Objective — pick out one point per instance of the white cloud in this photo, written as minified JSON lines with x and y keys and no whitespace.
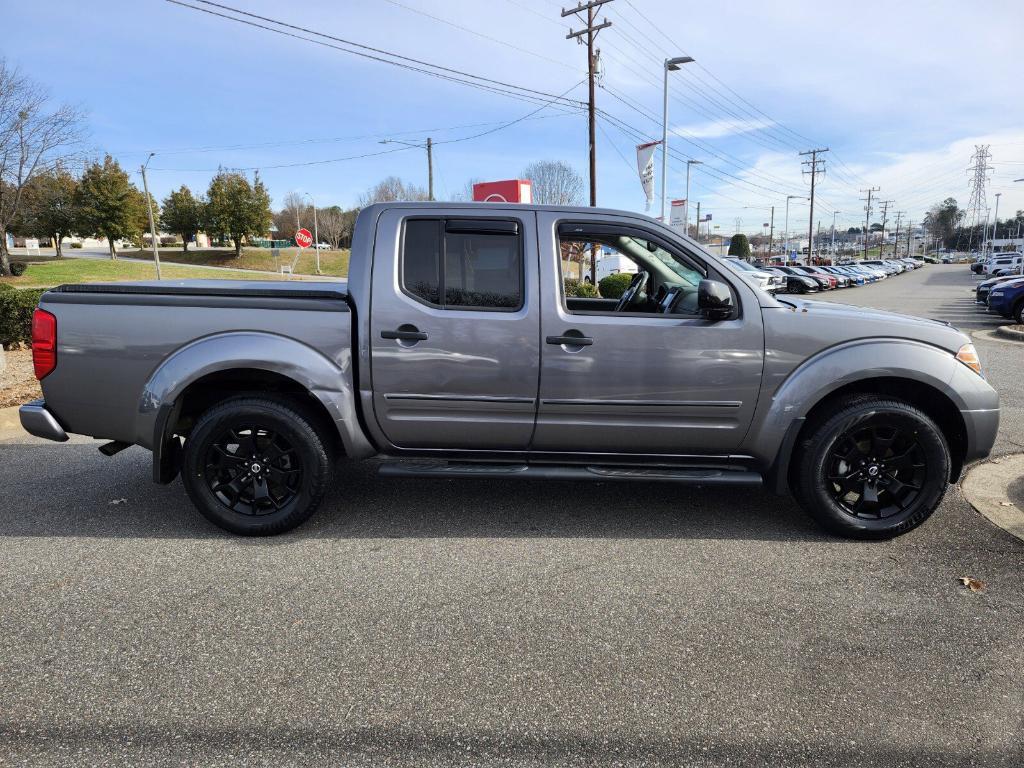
{"x":720,"y":128}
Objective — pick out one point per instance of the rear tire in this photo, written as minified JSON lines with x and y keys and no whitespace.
{"x":875,"y":469}
{"x":256,"y":466}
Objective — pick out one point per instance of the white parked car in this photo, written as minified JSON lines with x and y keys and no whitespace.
{"x":323,"y":246}
{"x":1004,"y":264}
{"x":766,"y":281}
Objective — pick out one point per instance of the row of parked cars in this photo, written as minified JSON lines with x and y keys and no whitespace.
{"x":998,"y":264}
{"x":1003,"y":295}
{"x":798,"y":278}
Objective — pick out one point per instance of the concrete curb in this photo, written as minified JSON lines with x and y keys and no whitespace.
{"x":987,"y":488}
{"x":1011,"y":332}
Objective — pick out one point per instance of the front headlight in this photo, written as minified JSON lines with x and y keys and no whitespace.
{"x":968,"y":355}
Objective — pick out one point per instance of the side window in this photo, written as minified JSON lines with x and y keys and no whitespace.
{"x":463,"y":263}
{"x":663,"y":282}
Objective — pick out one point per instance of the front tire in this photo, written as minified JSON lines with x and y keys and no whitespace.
{"x":875,"y":469}
{"x":256,"y":466}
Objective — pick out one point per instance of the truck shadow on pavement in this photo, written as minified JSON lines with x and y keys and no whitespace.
{"x":85,"y":494}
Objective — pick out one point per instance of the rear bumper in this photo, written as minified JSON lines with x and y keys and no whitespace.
{"x":38,"y":421}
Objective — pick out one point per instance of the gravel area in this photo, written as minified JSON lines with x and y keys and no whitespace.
{"x":17,"y":381}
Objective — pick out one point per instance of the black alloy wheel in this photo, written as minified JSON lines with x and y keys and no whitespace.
{"x":876,"y":469}
{"x":871,"y":467}
{"x":253,"y":470}
{"x":257,"y":466}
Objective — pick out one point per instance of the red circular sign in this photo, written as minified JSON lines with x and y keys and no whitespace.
{"x":303,"y":239}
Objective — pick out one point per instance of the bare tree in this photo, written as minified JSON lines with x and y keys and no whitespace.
{"x":295,"y":214}
{"x":466,"y":193}
{"x":554,"y":183}
{"x":391,"y":189}
{"x":334,"y":224}
{"x":33,"y":140}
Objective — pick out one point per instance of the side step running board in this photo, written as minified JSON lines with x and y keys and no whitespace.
{"x":442,"y":470}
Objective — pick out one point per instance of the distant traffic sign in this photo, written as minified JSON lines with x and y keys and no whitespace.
{"x":303,"y":238}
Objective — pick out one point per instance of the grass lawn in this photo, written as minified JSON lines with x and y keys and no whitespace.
{"x":332,"y":263}
{"x":56,"y":272}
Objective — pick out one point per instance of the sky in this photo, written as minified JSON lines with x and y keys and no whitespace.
{"x":900,"y":94}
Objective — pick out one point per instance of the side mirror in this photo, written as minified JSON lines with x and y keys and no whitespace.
{"x":714,"y":300}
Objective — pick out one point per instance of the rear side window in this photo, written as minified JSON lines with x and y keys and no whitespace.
{"x":463,"y":263}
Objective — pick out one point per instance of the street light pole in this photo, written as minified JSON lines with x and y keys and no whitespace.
{"x":834,"y":232}
{"x":316,"y":234}
{"x":149,"y":210}
{"x":686,"y":203}
{"x":671,"y":65}
{"x":786,"y":234}
{"x":995,"y":222}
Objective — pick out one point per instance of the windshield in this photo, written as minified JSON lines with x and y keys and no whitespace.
{"x":742,"y":265}
{"x":683,"y":271}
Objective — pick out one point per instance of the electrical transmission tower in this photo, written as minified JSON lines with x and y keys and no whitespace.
{"x":816,"y":167}
{"x":977,"y":208}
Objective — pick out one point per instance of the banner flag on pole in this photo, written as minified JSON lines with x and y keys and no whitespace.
{"x":645,"y":167}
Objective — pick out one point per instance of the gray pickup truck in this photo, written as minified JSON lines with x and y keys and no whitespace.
{"x":456,"y":350}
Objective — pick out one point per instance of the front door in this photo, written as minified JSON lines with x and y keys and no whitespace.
{"x":455,"y":328}
{"x":650,"y":376}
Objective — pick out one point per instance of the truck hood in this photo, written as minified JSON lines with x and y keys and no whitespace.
{"x":828,"y":323}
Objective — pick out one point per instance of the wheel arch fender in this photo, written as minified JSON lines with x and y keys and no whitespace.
{"x":329,"y":382}
{"x":850,"y":366}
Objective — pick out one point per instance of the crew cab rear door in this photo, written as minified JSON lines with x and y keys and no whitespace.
{"x":662,"y":384}
{"x":454,"y":328}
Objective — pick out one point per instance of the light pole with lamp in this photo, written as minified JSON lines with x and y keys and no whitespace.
{"x":995,"y":223}
{"x":786,"y":236}
{"x":316,"y":233}
{"x":149,"y":210}
{"x":834,"y":214}
{"x":429,"y":146}
{"x":686,"y":204}
{"x":671,"y":65}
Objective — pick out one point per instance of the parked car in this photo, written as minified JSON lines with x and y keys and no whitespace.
{"x":795,"y":283}
{"x":323,"y":246}
{"x":846,"y":279}
{"x":1007,"y":299}
{"x":453,"y":351}
{"x":889,"y":269}
{"x":834,"y":281}
{"x":1004,"y":264}
{"x":759,"y":278}
{"x":982,"y":289}
{"x":825,"y":282}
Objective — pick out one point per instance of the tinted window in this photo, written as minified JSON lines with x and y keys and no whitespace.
{"x":421,"y":259}
{"x":482,"y":270}
{"x":463,"y":269}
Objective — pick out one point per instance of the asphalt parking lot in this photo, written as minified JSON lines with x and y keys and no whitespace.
{"x":487,"y":623}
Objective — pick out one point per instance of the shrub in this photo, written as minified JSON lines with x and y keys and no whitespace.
{"x":613,"y":286}
{"x":18,"y":268}
{"x":16,"y":308}
{"x":76,"y":245}
{"x":6,"y":287}
{"x":580,"y":289}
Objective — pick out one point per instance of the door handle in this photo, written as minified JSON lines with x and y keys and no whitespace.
{"x":405,"y":333}
{"x":571,"y":340}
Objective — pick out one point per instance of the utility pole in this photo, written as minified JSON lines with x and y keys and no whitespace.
{"x":149,"y":210}
{"x":834,"y":214}
{"x":698,"y":221}
{"x":896,"y":237}
{"x":686,"y":205}
{"x":590,"y":31}
{"x":429,"y":146}
{"x":816,"y":166}
{"x":995,"y":222}
{"x":867,"y":218}
{"x":910,"y":234}
{"x":771,"y":232}
{"x":885,"y":215}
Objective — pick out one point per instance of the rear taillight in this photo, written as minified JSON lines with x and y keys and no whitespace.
{"x":44,"y":343}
